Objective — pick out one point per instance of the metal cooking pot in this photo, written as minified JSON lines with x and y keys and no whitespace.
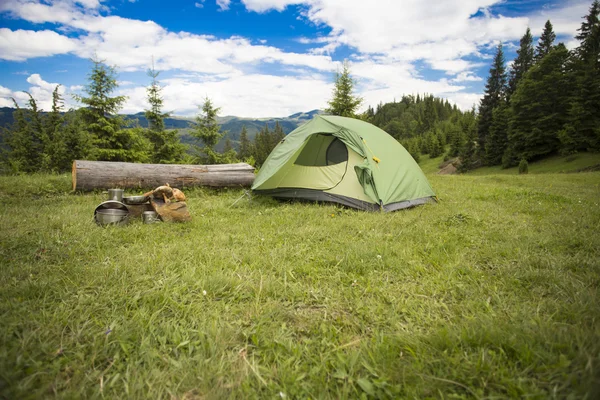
{"x":150,"y":217}
{"x":115,"y":194}
{"x":135,"y":200}
{"x":112,"y":216}
{"x":111,"y":212}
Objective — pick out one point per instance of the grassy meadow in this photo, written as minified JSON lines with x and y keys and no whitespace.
{"x":492,"y":293}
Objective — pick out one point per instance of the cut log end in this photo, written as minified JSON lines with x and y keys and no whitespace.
{"x":74,"y":174}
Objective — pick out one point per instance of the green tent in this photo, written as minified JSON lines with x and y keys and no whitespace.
{"x":346,"y":161}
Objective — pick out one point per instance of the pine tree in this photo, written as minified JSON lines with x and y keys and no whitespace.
{"x":166,"y":146}
{"x":208,"y":132}
{"x":245,"y":145}
{"x":76,"y":143}
{"x":155,"y":115}
{"x":265,"y":141}
{"x":344,"y":102}
{"x":435,"y":147}
{"x":262,"y":145}
{"x":468,"y":153}
{"x":498,"y":139}
{"x":55,"y":148}
{"x":582,"y":132}
{"x":456,"y":140}
{"x":495,"y":93}
{"x":589,"y":46}
{"x":18,"y":141}
{"x":278,"y":135}
{"x":39,"y":141}
{"x":227,"y":146}
{"x":546,"y":42}
{"x":430,"y":114}
{"x":539,"y":107}
{"x":228,"y":155}
{"x":413,"y":149}
{"x":522,"y":63}
{"x":100,"y":116}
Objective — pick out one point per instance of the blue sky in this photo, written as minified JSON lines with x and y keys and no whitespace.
{"x":258,"y":58}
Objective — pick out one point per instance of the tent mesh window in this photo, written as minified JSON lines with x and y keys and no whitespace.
{"x":322,"y":150}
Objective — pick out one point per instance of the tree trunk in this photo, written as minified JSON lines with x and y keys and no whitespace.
{"x":90,"y":175}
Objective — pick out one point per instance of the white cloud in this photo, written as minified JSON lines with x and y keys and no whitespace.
{"x":388,"y":42}
{"x":40,"y":90}
{"x":5,"y":92}
{"x":266,"y":5}
{"x":252,"y":95}
{"x":466,"y":77}
{"x":223,"y":4}
{"x":439,"y":32}
{"x":199,"y":5}
{"x":464,"y":101}
{"x":565,"y":20}
{"x":20,"y":45}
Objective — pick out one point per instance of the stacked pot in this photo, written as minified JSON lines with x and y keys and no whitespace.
{"x":114,"y":211}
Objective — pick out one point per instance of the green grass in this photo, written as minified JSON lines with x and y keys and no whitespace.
{"x":491,"y":293}
{"x":551,"y":165}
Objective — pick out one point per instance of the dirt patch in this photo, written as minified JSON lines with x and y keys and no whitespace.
{"x":448,"y":170}
{"x":449,"y":167}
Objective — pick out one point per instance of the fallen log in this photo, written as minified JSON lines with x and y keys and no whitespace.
{"x":90,"y":175}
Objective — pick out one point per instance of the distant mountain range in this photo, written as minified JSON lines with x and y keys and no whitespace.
{"x":230,"y":124}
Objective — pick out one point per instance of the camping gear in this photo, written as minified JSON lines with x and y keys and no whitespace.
{"x":135,"y":200}
{"x":111,"y":212}
{"x":115,"y":194}
{"x":91,"y":175}
{"x":171,"y":211}
{"x":110,"y":216}
{"x":150,"y":217}
{"x":345,"y":161}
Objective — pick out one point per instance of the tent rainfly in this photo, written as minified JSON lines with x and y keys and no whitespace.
{"x":345,"y":161}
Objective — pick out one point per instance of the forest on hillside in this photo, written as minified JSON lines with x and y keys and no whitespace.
{"x":547,"y":102}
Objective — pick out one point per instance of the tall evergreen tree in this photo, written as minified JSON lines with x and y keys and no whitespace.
{"x":468,"y":154}
{"x":245,"y":145}
{"x":344,"y":102}
{"x":208,"y":132}
{"x":73,"y":140}
{"x":522,"y":63}
{"x":494,"y":94}
{"x":546,"y":42}
{"x":589,"y":46}
{"x":278,"y":134}
{"x":39,"y":141}
{"x":265,"y":141}
{"x":155,"y":115}
{"x":100,"y":116}
{"x":55,"y":148}
{"x":583,"y":128}
{"x":166,"y":146}
{"x":539,"y":107}
{"x":435,"y":147}
{"x":497,"y":140}
{"x":262,"y":145}
{"x":19,"y":143}
{"x":228,"y":146}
